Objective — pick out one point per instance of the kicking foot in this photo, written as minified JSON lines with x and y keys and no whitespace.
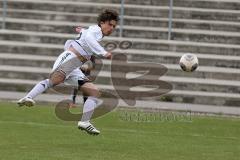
{"x":88,"y":127}
{"x":26,"y":101}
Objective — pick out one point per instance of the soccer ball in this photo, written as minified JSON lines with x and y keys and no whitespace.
{"x":189,"y":62}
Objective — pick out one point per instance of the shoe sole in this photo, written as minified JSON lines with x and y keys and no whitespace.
{"x":91,"y":133}
{"x":29,"y":104}
{"x":26,"y":103}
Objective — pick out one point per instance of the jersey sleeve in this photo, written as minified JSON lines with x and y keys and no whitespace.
{"x":93,"y":44}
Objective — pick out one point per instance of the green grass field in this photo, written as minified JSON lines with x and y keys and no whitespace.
{"x":36,"y":134}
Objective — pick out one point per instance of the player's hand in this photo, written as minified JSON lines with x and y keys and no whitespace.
{"x":108,"y":55}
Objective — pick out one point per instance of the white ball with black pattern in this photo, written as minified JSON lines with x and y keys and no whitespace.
{"x":188,"y":62}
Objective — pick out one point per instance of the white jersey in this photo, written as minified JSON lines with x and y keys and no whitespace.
{"x":88,"y":42}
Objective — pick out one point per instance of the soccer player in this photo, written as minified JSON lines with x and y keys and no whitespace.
{"x":85,"y":69}
{"x":76,"y":54}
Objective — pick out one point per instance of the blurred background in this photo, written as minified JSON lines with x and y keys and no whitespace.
{"x":33,"y":33}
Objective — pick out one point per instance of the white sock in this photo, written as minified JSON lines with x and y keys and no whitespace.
{"x":88,"y":108}
{"x":39,"y":88}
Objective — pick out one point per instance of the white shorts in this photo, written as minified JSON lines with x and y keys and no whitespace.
{"x":66,"y":63}
{"x":69,"y":64}
{"x":75,"y":76}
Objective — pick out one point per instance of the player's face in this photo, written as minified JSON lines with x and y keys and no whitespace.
{"x":108,"y":27}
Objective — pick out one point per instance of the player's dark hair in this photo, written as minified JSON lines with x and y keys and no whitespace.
{"x":108,"y":15}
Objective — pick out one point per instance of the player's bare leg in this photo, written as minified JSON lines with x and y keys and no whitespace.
{"x":57,"y":77}
{"x":89,"y":89}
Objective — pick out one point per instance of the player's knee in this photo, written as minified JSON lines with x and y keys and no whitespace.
{"x":56,"y":82}
{"x":57,"y":78}
{"x":96,"y":93}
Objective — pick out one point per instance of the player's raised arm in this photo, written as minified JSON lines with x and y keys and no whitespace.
{"x":94,"y":45}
